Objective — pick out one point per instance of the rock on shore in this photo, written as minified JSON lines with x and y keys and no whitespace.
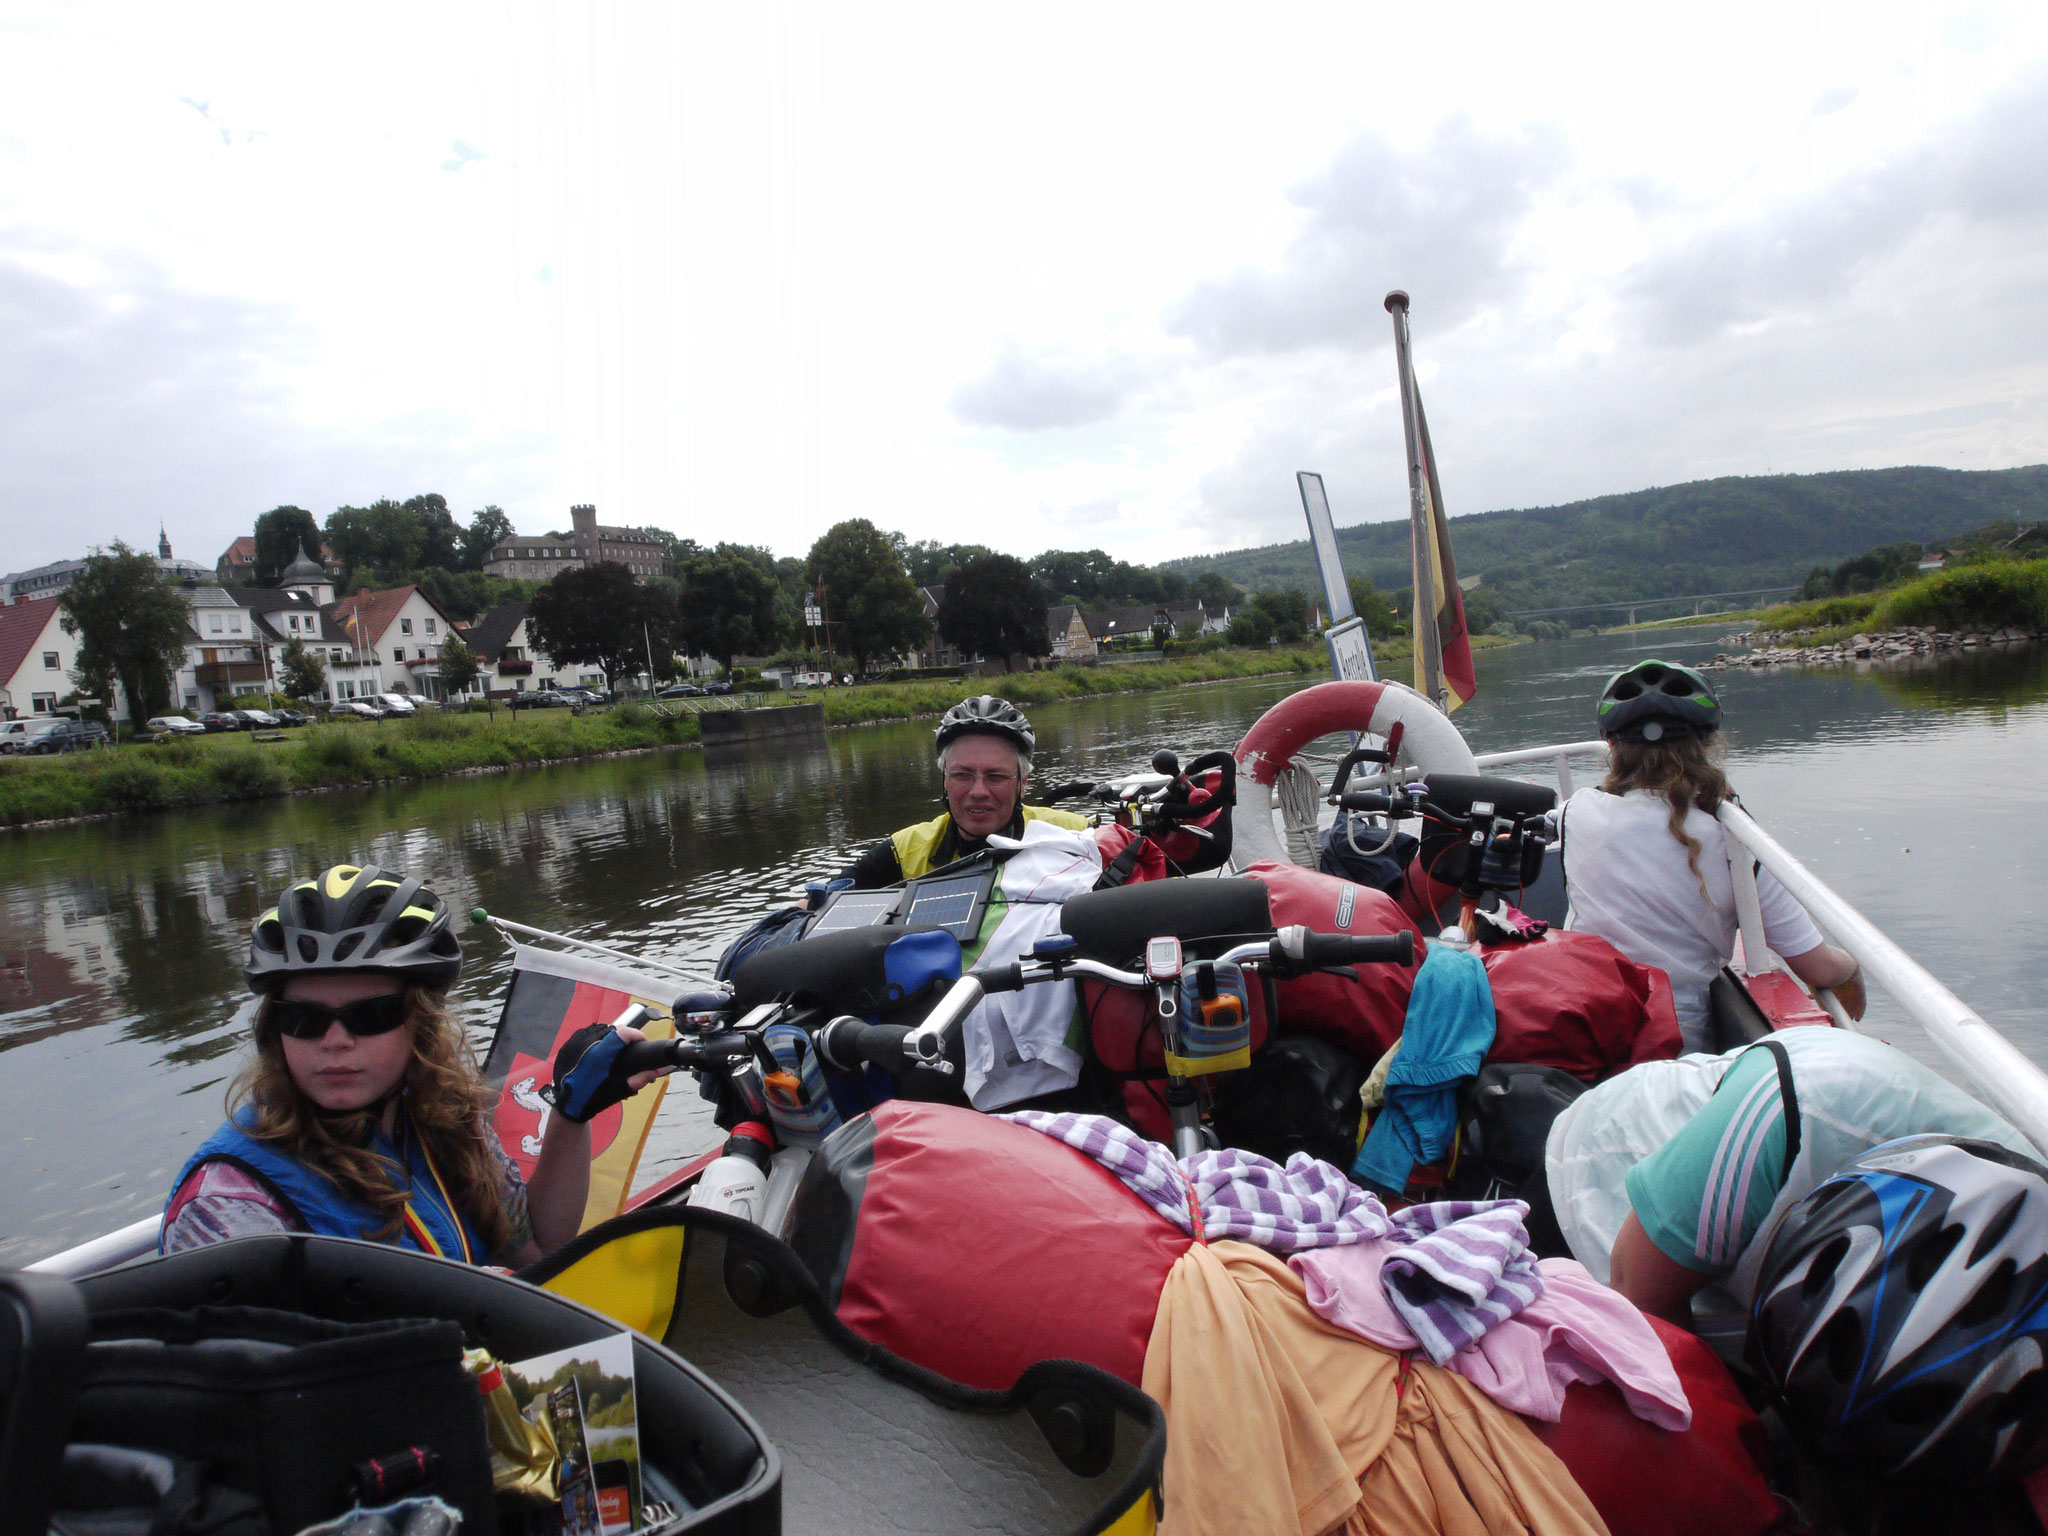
{"x":1890,"y":645}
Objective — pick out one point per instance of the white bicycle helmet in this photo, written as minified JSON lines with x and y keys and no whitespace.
{"x":987,"y":715}
{"x":1901,"y":1313}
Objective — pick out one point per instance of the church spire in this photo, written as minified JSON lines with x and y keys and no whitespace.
{"x":163,"y":543}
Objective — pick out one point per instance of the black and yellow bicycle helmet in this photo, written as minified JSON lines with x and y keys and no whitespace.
{"x":355,"y":918}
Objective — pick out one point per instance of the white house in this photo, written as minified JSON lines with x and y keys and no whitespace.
{"x":36,"y":658}
{"x":397,"y":635}
{"x":511,"y":661}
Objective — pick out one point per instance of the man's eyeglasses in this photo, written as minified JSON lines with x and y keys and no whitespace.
{"x":366,"y":1016}
{"x":963,"y":778}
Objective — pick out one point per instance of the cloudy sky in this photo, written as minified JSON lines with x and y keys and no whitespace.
{"x":1032,"y":276}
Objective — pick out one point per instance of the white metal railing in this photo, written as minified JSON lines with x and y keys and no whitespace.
{"x":2004,"y":1078}
{"x":1558,"y":756}
{"x":134,"y":1241}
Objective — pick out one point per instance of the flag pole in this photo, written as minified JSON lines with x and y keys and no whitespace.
{"x":1422,"y":594}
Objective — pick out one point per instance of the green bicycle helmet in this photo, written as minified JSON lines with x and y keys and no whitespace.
{"x":987,"y":715}
{"x":355,"y":918}
{"x":1657,"y":701}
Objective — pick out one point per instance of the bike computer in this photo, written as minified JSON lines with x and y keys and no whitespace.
{"x":1162,"y":959}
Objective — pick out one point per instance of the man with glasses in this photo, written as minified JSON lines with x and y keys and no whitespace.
{"x":984,"y":746}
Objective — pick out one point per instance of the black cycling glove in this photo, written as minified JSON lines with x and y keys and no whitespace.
{"x":587,"y":1076}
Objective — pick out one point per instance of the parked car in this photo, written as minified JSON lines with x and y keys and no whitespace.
{"x":40,"y":736}
{"x":353,"y":709}
{"x":221,"y":720}
{"x":546,"y":698}
{"x":291,"y":717}
{"x":395,"y":703}
{"x":173,"y":725}
{"x":29,"y":735}
{"x":682,"y":691}
{"x":88,"y":734}
{"x":718,"y":687}
{"x":255,"y":719}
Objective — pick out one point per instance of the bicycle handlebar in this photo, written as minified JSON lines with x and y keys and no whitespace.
{"x":683,"y":1051}
{"x":847,"y":1042}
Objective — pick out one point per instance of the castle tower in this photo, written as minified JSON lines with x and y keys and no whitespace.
{"x":583,"y":520}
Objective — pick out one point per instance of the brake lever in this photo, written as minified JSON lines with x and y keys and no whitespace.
{"x":1345,"y":971}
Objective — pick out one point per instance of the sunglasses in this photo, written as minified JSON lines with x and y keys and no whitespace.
{"x":366,"y":1016}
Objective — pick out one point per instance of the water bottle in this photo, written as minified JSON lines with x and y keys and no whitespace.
{"x":737,"y":1181}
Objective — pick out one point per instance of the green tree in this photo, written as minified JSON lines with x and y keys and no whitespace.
{"x":993,"y":608}
{"x":1214,"y":590}
{"x":1282,"y":616}
{"x":460,"y":667}
{"x":598,"y":616}
{"x":280,"y":534}
{"x":131,"y":626}
{"x":1371,"y":605}
{"x":930,"y":563}
{"x":387,"y":540}
{"x":303,"y":672}
{"x":1081,"y":576}
{"x":728,"y":604}
{"x":486,"y":527}
{"x":873,"y":608}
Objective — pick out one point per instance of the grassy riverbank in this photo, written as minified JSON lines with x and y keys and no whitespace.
{"x":1991,"y":594}
{"x":205,"y":770}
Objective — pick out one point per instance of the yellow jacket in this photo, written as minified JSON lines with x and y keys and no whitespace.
{"x":916,"y":846}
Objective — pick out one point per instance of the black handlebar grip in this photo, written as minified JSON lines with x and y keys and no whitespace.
{"x":1366,"y":800}
{"x":649,"y":1055}
{"x":1366,"y":949}
{"x":1001,"y":978}
{"x":848,"y":1040}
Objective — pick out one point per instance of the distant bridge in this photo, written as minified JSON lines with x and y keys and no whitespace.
{"x":1631,"y":604}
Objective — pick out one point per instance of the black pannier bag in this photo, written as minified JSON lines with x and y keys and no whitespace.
{"x":1504,"y":1121}
{"x":286,"y":1407}
{"x":1300,"y":1094}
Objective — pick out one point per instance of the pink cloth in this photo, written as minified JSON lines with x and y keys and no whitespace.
{"x":1577,"y":1330}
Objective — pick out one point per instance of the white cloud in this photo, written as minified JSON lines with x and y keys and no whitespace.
{"x":952,"y":271}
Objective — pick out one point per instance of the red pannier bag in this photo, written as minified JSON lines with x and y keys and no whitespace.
{"x":1645,"y":1481}
{"x":1575,"y":1002}
{"x":974,"y":1247}
{"x":1364,"y":1016}
{"x":1123,"y":1034}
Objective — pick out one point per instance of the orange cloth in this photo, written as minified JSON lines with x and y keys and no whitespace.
{"x":1279,"y":1424}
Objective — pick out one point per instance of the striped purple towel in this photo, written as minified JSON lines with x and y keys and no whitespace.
{"x":1307,"y":1204}
{"x":1462,"y":1267}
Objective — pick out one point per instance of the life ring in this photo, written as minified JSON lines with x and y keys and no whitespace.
{"x":1429,"y":743}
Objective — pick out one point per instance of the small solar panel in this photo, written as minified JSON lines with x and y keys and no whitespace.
{"x":951,"y":902}
{"x":853,"y":909}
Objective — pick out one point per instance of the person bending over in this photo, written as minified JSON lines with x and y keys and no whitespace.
{"x":1644,"y":860}
{"x":984,"y":746}
{"x":362,"y":1113}
{"x":1670,"y":1176}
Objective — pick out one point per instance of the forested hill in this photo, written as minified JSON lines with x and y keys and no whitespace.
{"x":1704,"y":536}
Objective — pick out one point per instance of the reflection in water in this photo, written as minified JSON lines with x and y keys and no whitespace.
{"x":121,"y":1004}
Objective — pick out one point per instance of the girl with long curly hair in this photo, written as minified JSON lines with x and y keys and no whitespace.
{"x":1645,"y":864}
{"x":361,"y":1113}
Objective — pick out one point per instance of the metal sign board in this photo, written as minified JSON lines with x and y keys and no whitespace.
{"x":1351,"y":653}
{"x":1322,"y":538}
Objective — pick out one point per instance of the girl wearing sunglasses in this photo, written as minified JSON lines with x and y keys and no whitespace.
{"x":362,"y":1113}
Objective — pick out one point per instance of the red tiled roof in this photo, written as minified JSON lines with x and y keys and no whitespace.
{"x":21,"y":626}
{"x":378,"y":610}
{"x":242,"y":551}
{"x":368,"y":614}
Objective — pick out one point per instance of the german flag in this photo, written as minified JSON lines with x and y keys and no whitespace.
{"x":552,"y":996}
{"x":1443,"y":650}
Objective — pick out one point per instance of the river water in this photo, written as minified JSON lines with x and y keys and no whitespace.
{"x":1918,"y":794}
